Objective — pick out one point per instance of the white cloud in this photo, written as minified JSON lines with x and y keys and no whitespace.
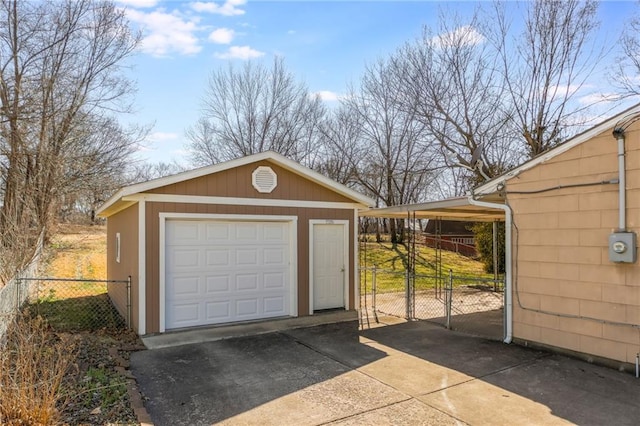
{"x":240,"y":52}
{"x":327,"y":95}
{"x":139,"y":3}
{"x":466,"y":35}
{"x":161,"y":136}
{"x":291,"y":32}
{"x":222,"y":36}
{"x":596,"y":98}
{"x":562,"y":91}
{"x":228,"y":8}
{"x":166,"y":33}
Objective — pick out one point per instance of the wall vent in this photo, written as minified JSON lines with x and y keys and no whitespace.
{"x":264,"y":179}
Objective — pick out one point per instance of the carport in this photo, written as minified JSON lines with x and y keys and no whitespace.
{"x":442,"y":300}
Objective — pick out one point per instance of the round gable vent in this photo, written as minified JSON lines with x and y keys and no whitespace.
{"x":264,"y":179}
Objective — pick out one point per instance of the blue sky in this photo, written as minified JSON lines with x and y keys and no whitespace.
{"x":326,"y":44}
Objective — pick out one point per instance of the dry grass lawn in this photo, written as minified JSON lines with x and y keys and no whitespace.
{"x":78,"y":251}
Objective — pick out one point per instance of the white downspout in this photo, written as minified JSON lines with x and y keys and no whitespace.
{"x":508,"y":281}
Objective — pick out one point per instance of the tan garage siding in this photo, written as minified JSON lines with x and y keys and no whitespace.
{"x":562,"y":264}
{"x":154,"y":209}
{"x":125,"y":223}
{"x":236,"y":183}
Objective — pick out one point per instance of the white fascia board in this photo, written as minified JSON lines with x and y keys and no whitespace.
{"x":492,"y":186}
{"x":262,"y":202}
{"x":406,"y":208}
{"x":321,"y":179}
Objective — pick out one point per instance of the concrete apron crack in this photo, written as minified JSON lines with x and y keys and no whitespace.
{"x":492,"y":373}
{"x":407,"y":396}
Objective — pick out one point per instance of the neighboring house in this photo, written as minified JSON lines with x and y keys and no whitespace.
{"x":454,"y":236}
{"x":253,"y":238}
{"x":570,"y":289}
{"x":572,"y":280}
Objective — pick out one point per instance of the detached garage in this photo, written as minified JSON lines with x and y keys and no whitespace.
{"x":254,"y":238}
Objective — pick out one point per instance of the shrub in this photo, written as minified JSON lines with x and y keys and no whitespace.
{"x":33,"y":362}
{"x":484,"y":244}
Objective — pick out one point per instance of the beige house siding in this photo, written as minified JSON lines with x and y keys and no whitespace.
{"x":125,"y":223}
{"x":567,"y":293}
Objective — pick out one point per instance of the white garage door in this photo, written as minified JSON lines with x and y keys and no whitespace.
{"x":225,"y":271}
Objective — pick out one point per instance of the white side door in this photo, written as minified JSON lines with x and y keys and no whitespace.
{"x":329,"y":265}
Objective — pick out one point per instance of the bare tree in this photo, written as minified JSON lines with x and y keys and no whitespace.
{"x":383,"y":145}
{"x":627,"y":68}
{"x":61,"y":68}
{"x":97,"y":164}
{"x":339,"y":151}
{"x":452,"y":83}
{"x":552,"y":59}
{"x":255,"y":109}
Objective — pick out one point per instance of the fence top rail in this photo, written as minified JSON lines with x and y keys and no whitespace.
{"x":82,"y":280}
{"x":455,"y":277}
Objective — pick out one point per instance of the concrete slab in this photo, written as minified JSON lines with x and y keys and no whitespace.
{"x":213,"y":381}
{"x":213,"y":333}
{"x":410,"y":413}
{"x":407,"y":373}
{"x":343,"y":396}
{"x":480,"y":403}
{"x":550,"y":389}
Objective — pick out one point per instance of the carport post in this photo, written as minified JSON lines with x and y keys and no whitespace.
{"x":407,"y":294}
{"x":448,"y":297}
{"x":495,"y":256}
{"x":373,"y":287}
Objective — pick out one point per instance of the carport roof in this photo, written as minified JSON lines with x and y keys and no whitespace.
{"x":458,"y":208}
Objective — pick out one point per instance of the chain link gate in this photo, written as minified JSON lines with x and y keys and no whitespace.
{"x":469,"y":304}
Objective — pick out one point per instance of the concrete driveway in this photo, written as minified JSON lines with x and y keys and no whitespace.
{"x":405,"y":374}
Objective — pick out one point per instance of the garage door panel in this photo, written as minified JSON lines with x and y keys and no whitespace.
{"x":184,"y":232}
{"x":217,"y":232}
{"x":273,"y":256}
{"x":219,"y":311}
{"x":274,"y":281}
{"x":247,"y":231}
{"x":247,"y":308}
{"x":218,"y":257}
{"x":247,"y":282}
{"x":234,"y":271}
{"x":274,"y":305}
{"x":217,"y":284}
{"x":247,"y":256}
{"x":276,"y":232}
{"x":185,"y":287}
{"x":184,"y":313}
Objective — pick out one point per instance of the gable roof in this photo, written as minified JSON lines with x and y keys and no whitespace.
{"x":109,"y":207}
{"x":491,"y":186}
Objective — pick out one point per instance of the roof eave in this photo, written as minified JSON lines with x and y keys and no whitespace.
{"x":107,"y":209}
{"x":491,"y":186}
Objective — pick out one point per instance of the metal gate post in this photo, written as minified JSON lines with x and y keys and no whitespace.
{"x":407,"y":295}
{"x":373,"y":288}
{"x":129,"y":302}
{"x":448,"y":297}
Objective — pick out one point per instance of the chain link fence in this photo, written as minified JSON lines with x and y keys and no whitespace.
{"x":469,"y":304}
{"x":14,"y":294}
{"x":77,"y":304}
{"x":68,"y":305}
